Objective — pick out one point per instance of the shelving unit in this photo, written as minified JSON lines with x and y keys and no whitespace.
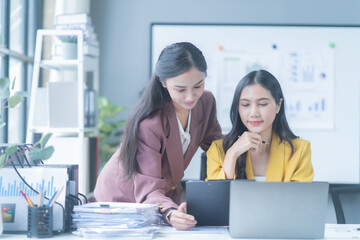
{"x":44,"y":108}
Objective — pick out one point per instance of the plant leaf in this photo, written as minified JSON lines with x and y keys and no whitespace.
{"x":15,"y":100}
{"x":108,"y":109}
{"x":46,"y":152}
{"x":4,"y":88}
{"x":3,"y":158}
{"x":102,"y":102}
{"x":4,"y":82}
{"x":106,"y":127}
{"x":34,"y":154}
{"x":111,"y":110}
{"x":120,"y":123}
{"x":13,"y":84}
{"x":44,"y":140}
{"x":11,"y":149}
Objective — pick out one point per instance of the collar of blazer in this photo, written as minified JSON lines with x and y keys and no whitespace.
{"x":177,"y":161}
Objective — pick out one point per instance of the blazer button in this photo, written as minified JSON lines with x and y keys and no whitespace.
{"x":173,"y":188}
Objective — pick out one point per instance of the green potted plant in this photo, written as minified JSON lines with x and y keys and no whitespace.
{"x":110,"y":130}
{"x":38,"y":150}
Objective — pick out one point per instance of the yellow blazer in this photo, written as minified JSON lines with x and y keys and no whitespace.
{"x":280,"y":167}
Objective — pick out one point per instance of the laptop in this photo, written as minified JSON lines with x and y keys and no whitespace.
{"x":208,"y":202}
{"x":278,"y":209}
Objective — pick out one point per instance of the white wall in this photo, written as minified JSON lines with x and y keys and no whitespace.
{"x":123,"y":28}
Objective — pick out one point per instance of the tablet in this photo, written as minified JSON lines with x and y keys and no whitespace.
{"x":208,"y":202}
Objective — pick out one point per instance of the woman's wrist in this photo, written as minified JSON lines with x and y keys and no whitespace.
{"x":167,"y":214}
{"x":233,"y":154}
{"x":229,"y":164}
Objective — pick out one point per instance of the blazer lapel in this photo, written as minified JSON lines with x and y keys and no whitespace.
{"x":173,"y":146}
{"x":277,"y":157}
{"x":248,"y":166}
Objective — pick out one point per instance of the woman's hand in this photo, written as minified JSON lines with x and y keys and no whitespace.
{"x":180,"y":220}
{"x":248,"y":140}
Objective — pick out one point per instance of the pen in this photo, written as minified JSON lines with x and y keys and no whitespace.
{"x":56,"y":196}
{"x":48,"y":204}
{"x":264,"y":142}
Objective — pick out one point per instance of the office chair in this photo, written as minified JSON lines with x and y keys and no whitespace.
{"x":346,"y":199}
{"x":203,"y":167}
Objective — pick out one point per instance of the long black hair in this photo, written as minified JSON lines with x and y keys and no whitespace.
{"x":280,"y":125}
{"x":174,"y":60}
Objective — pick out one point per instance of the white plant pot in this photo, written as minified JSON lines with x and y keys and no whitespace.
{"x":69,"y":50}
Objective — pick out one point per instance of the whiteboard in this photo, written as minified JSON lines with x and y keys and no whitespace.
{"x":317,"y":67}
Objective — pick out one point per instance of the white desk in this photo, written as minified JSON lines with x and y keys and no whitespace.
{"x":332,"y":231}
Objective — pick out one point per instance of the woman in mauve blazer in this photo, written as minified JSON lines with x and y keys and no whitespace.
{"x":174,"y":116}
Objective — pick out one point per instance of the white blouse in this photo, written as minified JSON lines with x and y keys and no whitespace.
{"x":259,"y":178}
{"x":185,"y":135}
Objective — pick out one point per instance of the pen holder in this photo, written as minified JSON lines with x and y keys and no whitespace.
{"x":40,"y":222}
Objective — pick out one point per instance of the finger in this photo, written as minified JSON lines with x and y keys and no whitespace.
{"x":182,"y":223}
{"x":182,"y":207}
{"x":256,"y":141}
{"x":182,"y":215}
{"x":250,"y":136}
{"x":256,"y":136}
{"x":255,"y":146}
{"x":183,"y":227}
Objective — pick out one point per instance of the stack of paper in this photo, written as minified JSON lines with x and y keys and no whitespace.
{"x":105,"y":219}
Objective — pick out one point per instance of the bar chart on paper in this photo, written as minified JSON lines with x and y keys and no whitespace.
{"x":49,"y":179}
{"x":11,"y":189}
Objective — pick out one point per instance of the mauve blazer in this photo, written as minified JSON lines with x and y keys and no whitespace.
{"x":161,"y":163}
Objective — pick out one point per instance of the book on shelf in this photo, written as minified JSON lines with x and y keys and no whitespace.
{"x":73,"y":18}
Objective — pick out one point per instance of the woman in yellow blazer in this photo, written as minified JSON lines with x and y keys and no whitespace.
{"x":260,"y":144}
